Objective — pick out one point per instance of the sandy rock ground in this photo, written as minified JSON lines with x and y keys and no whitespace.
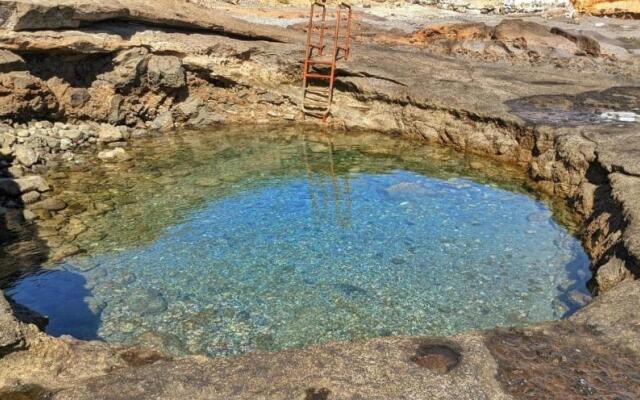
{"x":557,"y":95}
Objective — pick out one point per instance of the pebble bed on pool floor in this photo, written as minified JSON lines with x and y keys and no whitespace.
{"x":332,"y":244}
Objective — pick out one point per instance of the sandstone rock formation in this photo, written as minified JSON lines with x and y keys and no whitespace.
{"x":608,"y":7}
{"x":29,"y":15}
{"x":23,"y":96}
{"x":517,"y":41}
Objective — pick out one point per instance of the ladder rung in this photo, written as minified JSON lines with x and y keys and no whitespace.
{"x":317,"y":103}
{"x":317,"y":114}
{"x":316,"y":110}
{"x":317,"y":91}
{"x":316,"y":97}
{"x":320,"y":62}
{"x":318,"y":76}
{"x":311,"y":107}
{"x":322,"y":100}
{"x":325,"y":111}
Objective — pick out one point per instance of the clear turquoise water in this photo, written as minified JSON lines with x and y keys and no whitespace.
{"x":305,"y":257}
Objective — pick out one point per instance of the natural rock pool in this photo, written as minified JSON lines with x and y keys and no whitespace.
{"x":228,"y":242}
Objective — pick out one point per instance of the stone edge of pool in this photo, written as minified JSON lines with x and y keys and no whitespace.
{"x":595,"y":168}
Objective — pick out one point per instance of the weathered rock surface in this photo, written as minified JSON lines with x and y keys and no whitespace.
{"x":517,"y":40}
{"x":23,"y":96}
{"x":165,"y":72}
{"x":117,"y":154}
{"x":11,"y":62}
{"x":608,"y":7}
{"x":163,"y":122}
{"x":11,"y":332}
{"x":42,"y":15}
{"x":616,"y":315}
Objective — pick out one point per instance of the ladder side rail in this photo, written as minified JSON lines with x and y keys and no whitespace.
{"x":333,"y":64}
{"x":348,"y":36}
{"x":310,"y":46}
{"x":323,"y":27}
{"x":307,"y":50}
{"x":346,"y":44}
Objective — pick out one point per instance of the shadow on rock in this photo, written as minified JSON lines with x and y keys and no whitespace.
{"x":26,"y":392}
{"x":51,"y":299}
{"x":21,"y":248}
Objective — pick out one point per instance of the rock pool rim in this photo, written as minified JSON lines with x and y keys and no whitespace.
{"x":364,"y":153}
{"x":326,"y":135}
{"x":148,"y":358}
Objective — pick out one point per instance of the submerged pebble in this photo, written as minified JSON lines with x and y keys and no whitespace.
{"x":146,"y":301}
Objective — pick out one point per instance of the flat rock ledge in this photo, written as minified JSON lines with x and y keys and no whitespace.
{"x":78,"y":77}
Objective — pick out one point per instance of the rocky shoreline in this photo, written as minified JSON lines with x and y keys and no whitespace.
{"x":88,"y":81}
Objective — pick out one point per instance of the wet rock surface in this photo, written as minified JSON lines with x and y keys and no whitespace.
{"x":612,"y":106}
{"x":563,"y":361}
{"x":440,"y":358}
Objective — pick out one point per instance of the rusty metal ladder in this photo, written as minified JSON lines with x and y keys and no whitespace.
{"x":319,"y":70}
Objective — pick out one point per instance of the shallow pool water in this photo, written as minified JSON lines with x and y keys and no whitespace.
{"x":233,"y":244}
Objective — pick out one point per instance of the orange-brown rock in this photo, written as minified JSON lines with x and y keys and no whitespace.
{"x":23,"y":96}
{"x":608,"y":7}
{"x":463,"y":31}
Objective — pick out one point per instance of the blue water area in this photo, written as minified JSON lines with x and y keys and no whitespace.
{"x":60,"y":294}
{"x":303,"y":259}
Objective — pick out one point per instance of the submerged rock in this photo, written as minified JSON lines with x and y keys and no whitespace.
{"x":109,"y":134}
{"x":64,"y":251}
{"x":403,"y":189}
{"x":146,"y":302}
{"x":163,"y":122}
{"x":50,"y":204}
{"x":26,"y":156}
{"x":95,"y":305}
{"x":166,"y":342}
{"x":117,"y":154}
